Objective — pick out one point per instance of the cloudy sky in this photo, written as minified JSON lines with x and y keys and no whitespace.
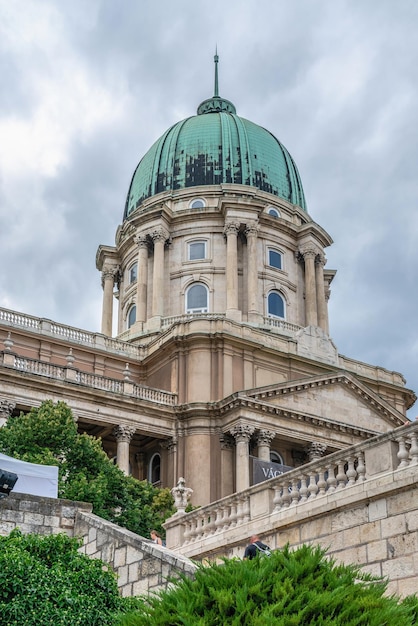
{"x":88,"y":86}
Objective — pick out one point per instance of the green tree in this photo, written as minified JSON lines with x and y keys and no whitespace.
{"x":289,"y":588}
{"x":44,"y":581}
{"x":48,"y":435}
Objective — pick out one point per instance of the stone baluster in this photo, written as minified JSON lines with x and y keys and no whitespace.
{"x":361,"y":467}
{"x":351,"y":472}
{"x":341,"y":477}
{"x":294,"y":493}
{"x":303,"y":490}
{"x":277,"y":500}
{"x":312,"y":487}
{"x":403,"y":455}
{"x":413,"y":450}
{"x":331,"y":480}
{"x":246,"y":510}
{"x":286,"y":497}
{"x":234,"y":515}
{"x":322,"y":483}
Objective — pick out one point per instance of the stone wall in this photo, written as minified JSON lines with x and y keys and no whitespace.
{"x":140,"y":565}
{"x":360,"y":504}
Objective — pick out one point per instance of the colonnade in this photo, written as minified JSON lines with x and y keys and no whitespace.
{"x":316,"y":310}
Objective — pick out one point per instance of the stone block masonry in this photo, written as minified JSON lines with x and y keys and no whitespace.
{"x":140,"y":565}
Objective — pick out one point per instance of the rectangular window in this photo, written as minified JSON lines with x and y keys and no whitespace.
{"x":275,"y":259}
{"x":197,"y":250}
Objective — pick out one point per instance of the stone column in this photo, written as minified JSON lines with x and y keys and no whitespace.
{"x":108,"y":281}
{"x":316,"y":450}
{"x":309,"y":255}
{"x":321,"y":301}
{"x":123,"y":434}
{"x":264,"y":439}
{"x":140,"y":464}
{"x":142,"y":278}
{"x":226,"y":474}
{"x":242,"y":435}
{"x":252,"y":272}
{"x":6,"y":409}
{"x":231,"y":233}
{"x":159,"y":237}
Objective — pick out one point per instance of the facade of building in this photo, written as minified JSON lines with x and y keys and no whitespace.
{"x":222,"y":353}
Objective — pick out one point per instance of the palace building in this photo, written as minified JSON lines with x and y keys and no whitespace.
{"x":222,"y":359}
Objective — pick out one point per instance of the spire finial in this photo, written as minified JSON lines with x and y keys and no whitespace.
{"x":216,"y":59}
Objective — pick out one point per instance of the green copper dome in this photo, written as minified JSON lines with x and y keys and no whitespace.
{"x":216,"y":146}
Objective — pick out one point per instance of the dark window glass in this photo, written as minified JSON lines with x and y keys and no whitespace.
{"x":275,"y":304}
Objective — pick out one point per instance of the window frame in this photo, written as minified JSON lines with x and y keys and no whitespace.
{"x":280,"y":295}
{"x":205,"y":249}
{"x":271,"y":250}
{"x":197,"y":200}
{"x":273,"y":212}
{"x":129,"y":322}
{"x":192,"y":310}
{"x":133,"y":269}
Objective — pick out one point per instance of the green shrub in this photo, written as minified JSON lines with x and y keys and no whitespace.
{"x":48,"y":435}
{"x":290,"y":588}
{"x":45,"y":581}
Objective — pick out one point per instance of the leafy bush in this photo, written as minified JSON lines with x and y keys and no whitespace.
{"x":45,"y":581}
{"x":290,"y":588}
{"x":48,"y":435}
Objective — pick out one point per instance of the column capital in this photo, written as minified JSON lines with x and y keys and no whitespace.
{"x":124,"y":432}
{"x":159,"y":234}
{"x":242,"y":432}
{"x":231,"y":228}
{"x":109,"y":273}
{"x":316,"y":450}
{"x":321,"y":259}
{"x":6,"y":408}
{"x":265,"y":437}
{"x":227,"y":441}
{"x":141,"y":240}
{"x":252,"y":229}
{"x":308,"y":251}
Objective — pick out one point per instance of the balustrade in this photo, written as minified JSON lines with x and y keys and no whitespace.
{"x":329,"y":475}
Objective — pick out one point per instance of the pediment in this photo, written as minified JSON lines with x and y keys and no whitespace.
{"x":339,"y":398}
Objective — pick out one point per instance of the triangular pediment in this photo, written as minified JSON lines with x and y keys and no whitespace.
{"x":339,"y":397}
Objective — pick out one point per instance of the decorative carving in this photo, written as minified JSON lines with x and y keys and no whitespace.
{"x":231,"y":228}
{"x":227,"y":442}
{"x":251,"y":229}
{"x":242,"y":433}
{"x":109,"y":273}
{"x":127,"y":373}
{"x":181,"y":495}
{"x":124,"y":432}
{"x":141,"y":240}
{"x":316,"y":450}
{"x":6,"y":408}
{"x":159,"y":234}
{"x":265,"y":437}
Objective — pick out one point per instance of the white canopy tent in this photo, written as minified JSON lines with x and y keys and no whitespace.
{"x":37,"y":480}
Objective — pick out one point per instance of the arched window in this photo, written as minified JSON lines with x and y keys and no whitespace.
{"x":197,"y":250}
{"x":154,"y":469}
{"x":275,"y":305}
{"x":133,"y":273}
{"x":197,"y":299}
{"x":275,"y":259}
{"x":275,"y":457}
{"x":132,"y":316}
{"x":273,"y":212}
{"x":197,"y":203}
